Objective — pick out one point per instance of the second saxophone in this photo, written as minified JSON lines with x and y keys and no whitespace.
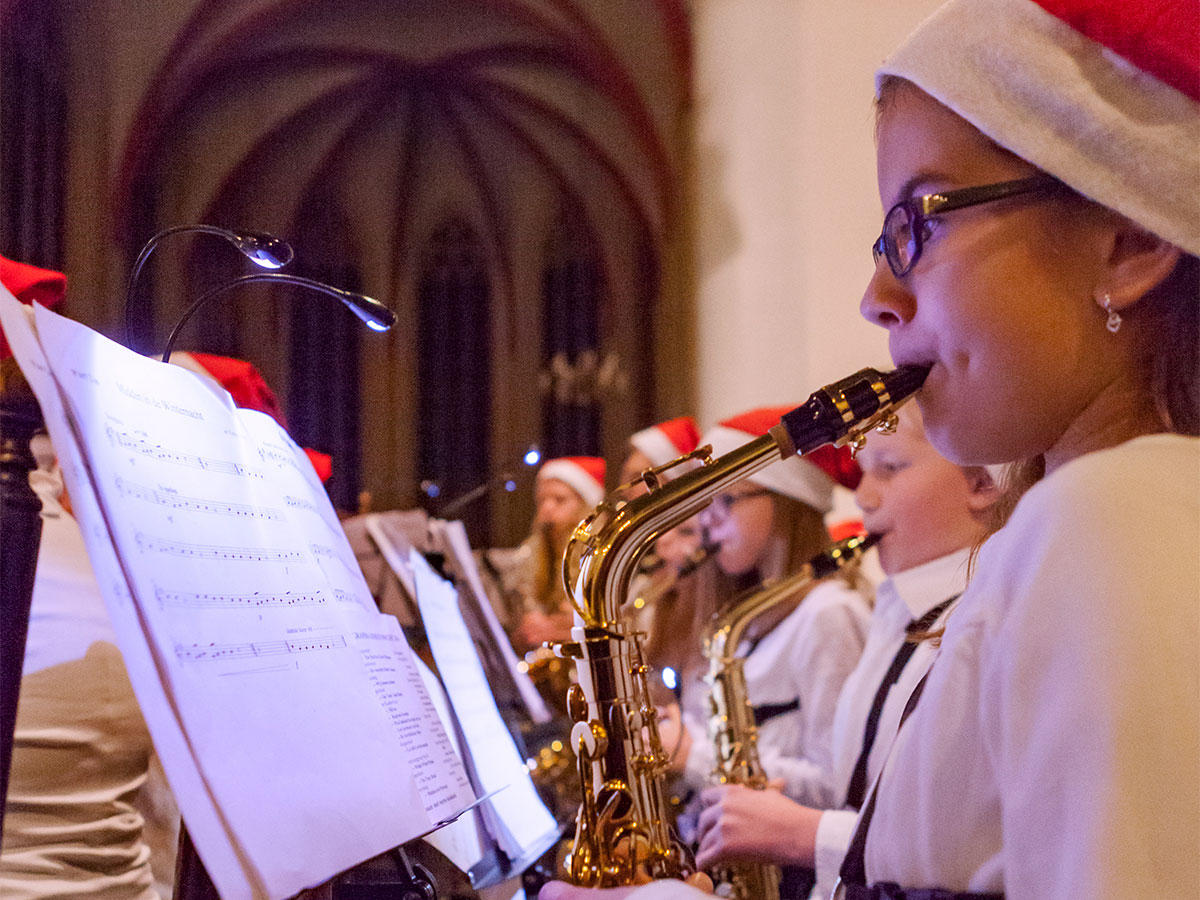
{"x":731,"y":725}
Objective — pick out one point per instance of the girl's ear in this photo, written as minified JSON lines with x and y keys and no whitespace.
{"x":983,"y":490}
{"x":1137,"y":262}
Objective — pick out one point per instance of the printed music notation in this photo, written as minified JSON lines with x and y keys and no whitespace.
{"x":203,"y":551}
{"x":237,"y":601}
{"x":143,"y":447}
{"x":173,"y":500}
{"x":300,"y":503}
{"x":209,"y":652}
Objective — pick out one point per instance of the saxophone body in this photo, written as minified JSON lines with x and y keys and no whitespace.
{"x":623,"y":833}
{"x":731,"y":725}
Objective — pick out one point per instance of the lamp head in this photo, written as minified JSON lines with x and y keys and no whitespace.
{"x":374,"y":314}
{"x":263,"y":249}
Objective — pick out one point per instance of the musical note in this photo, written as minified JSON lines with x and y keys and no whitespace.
{"x":237,"y":601}
{"x":143,"y":447}
{"x":202,"y":551}
{"x":215,"y":652}
{"x":173,"y":500}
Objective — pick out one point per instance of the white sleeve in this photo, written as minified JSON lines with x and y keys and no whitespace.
{"x":1089,"y":686}
{"x":702,"y":758}
{"x":821,"y":660}
{"x":669,"y":890}
{"x":834,"y":833}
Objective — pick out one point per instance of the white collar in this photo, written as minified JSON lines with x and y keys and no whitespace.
{"x":925,"y":586}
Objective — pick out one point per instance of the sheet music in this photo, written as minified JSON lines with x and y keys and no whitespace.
{"x":430,"y":755}
{"x":458,"y":546}
{"x":231,"y":874}
{"x":516,"y":815}
{"x":460,"y":841}
{"x":250,"y":614}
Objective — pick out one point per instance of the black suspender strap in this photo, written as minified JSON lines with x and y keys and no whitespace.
{"x":765,"y":712}
{"x":852,"y":878}
{"x":858,"y":780}
{"x":854,"y":866}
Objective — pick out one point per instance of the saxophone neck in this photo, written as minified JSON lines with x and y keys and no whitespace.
{"x":604,"y":549}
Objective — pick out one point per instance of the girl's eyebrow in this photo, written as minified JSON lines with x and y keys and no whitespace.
{"x":908,"y":190}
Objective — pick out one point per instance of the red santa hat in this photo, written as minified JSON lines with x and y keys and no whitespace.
{"x":1102,"y":94}
{"x":583,"y":474}
{"x":29,"y":284}
{"x":249,"y":390}
{"x":809,"y":478}
{"x":668,"y":440}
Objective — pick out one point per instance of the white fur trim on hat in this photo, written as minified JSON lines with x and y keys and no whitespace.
{"x":794,"y":477}
{"x":657,"y":447}
{"x":1066,"y":104}
{"x":575,"y":477}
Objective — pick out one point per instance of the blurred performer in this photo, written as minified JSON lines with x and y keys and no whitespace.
{"x":81,"y":750}
{"x":566,"y":490}
{"x":657,"y":446}
{"x":798,"y":653}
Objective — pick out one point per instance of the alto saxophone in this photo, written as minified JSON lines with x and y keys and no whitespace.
{"x":731,"y":726}
{"x":622,"y":831}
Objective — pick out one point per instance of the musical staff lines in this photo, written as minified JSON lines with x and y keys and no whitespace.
{"x":216,"y":652}
{"x":256,"y":600}
{"x":143,"y":447}
{"x":208,"y":551}
{"x":173,"y":500}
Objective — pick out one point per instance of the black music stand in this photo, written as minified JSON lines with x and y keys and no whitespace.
{"x":20,"y":533}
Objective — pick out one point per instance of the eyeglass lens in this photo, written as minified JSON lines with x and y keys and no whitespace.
{"x":900,"y":239}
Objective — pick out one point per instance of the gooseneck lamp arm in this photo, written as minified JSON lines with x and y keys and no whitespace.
{"x":374,"y":314}
{"x":260,"y":248}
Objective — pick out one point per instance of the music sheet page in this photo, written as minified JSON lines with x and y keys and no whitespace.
{"x":304,"y":716}
{"x":516,"y":815}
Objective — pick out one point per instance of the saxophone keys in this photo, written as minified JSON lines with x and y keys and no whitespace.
{"x":889,"y":424}
{"x":577,"y":705}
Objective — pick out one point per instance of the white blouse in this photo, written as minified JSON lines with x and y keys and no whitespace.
{"x":899,"y":600}
{"x":806,"y":657}
{"x":1055,"y":753}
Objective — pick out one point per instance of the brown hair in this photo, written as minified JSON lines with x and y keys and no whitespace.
{"x":680,"y":621}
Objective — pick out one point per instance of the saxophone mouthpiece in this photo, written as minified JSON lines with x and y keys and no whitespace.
{"x":843,"y":412}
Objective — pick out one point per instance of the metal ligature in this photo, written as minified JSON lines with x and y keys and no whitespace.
{"x":622,"y":834}
{"x":731,"y":727}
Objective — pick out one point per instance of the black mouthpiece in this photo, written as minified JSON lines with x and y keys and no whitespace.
{"x":905,"y":380}
{"x":840,"y":553}
{"x":834,"y":411}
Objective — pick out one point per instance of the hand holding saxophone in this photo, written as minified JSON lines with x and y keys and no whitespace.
{"x":740,"y":824}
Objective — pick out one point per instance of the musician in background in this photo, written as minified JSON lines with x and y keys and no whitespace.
{"x":81,"y":751}
{"x":928,"y":513}
{"x":798,"y":653}
{"x":565,"y":491}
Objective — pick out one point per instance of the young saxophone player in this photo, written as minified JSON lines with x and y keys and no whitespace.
{"x":928,"y":513}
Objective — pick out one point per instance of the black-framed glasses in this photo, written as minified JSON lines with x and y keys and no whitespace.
{"x":722,"y":504}
{"x":905,"y":227}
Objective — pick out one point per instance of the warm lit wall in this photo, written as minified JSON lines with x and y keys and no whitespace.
{"x":786,"y":206}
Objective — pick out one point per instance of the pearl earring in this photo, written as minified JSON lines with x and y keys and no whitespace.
{"x":1113,"y":323}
